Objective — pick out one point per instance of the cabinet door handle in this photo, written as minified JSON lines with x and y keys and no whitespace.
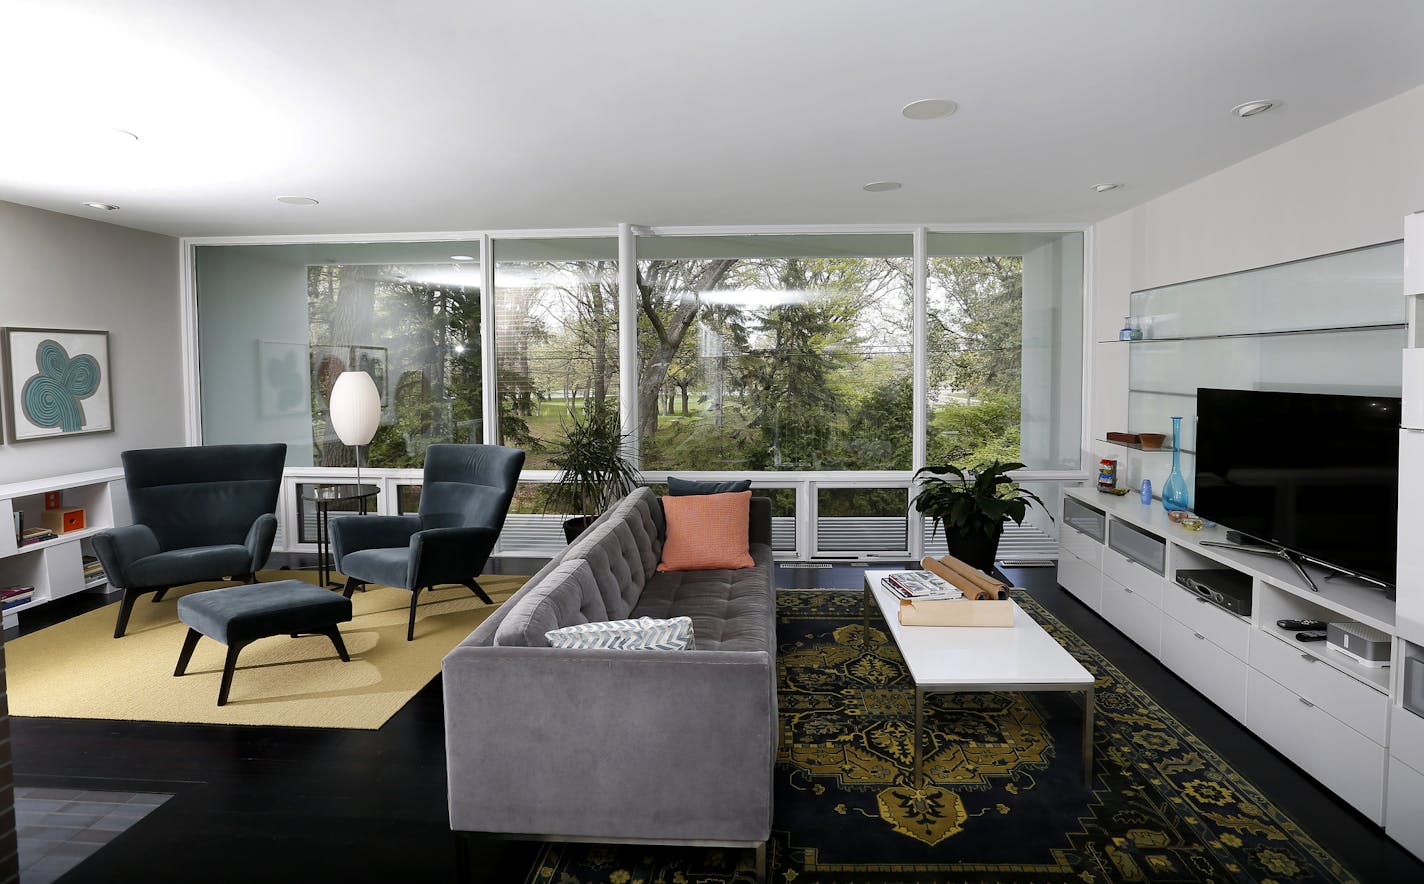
{"x":1199,"y":635}
{"x":1306,"y":702}
{"x":1309,"y":659}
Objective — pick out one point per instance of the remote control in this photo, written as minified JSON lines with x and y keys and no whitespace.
{"x":1314,"y":635}
{"x":1312,"y":625}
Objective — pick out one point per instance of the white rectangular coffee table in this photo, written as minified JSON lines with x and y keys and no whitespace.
{"x":949,"y":659}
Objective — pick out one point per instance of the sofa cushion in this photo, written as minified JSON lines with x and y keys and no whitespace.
{"x":687,"y":487}
{"x":614,"y":551}
{"x":731,"y":610}
{"x":568,"y":596}
{"x":643,"y":634}
{"x":190,"y":565}
{"x":706,"y":531}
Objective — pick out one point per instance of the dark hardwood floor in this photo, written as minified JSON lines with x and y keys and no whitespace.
{"x":285,"y":804}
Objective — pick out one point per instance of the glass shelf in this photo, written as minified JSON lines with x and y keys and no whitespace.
{"x":1383,"y":326}
{"x":1137,"y":446}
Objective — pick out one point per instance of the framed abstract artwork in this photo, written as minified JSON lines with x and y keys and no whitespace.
{"x":57,"y":383}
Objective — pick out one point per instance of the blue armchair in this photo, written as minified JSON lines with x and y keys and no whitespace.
{"x":463,"y":503}
{"x":200,"y":513}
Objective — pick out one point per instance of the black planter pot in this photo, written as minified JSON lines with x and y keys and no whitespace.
{"x":575,"y":526}
{"x":976,"y":548}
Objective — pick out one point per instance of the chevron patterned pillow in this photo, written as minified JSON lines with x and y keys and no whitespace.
{"x":643,"y":634}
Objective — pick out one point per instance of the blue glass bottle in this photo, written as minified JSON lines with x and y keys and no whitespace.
{"x":1174,"y":491}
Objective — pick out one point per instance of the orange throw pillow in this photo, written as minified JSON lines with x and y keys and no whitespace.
{"x":706,"y":531}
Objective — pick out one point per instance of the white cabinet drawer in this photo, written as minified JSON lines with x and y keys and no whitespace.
{"x":1080,"y":578}
{"x":1349,"y":764}
{"x":1137,"y":617}
{"x":1352,"y":702}
{"x":1220,"y":626}
{"x":1081,"y":545}
{"x":1406,"y":737}
{"x":1404,"y":814}
{"x":1132,"y":575}
{"x":1205,"y":666}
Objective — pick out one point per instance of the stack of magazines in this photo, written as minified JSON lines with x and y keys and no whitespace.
{"x":916,"y":585}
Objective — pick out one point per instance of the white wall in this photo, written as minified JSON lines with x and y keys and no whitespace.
{"x":66,"y":272}
{"x":1342,"y":186}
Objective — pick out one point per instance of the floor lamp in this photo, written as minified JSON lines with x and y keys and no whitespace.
{"x":355,"y":411}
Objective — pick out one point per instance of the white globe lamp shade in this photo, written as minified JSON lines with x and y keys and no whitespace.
{"x":355,"y":408}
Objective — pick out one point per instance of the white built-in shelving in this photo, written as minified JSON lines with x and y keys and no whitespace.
{"x":55,"y":568}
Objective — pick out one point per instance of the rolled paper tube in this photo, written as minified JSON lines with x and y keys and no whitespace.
{"x":973,"y":575}
{"x":952,"y":577}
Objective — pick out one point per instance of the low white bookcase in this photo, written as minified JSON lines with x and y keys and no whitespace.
{"x":55,"y":568}
{"x":1327,"y":713}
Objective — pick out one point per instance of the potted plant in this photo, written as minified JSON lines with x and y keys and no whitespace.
{"x":593,"y":472}
{"x":972,"y":505}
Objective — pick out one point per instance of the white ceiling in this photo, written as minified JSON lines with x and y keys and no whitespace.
{"x":463,"y":114}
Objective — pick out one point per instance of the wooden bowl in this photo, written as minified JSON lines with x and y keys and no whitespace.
{"x":1152,"y":440}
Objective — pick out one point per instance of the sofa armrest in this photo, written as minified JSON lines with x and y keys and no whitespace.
{"x":660,"y":745}
{"x":117,"y":548}
{"x":449,"y":555}
{"x":351,"y":533}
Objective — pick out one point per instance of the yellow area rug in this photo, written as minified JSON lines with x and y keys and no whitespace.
{"x":77,"y":669}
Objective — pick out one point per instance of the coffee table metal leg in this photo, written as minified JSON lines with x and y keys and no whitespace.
{"x":865,"y":627}
{"x":919,"y":736}
{"x":1088,"y":737}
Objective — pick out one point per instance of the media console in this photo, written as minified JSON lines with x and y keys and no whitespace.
{"x":1329,"y":714}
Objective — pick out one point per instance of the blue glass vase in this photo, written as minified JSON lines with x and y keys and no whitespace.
{"x":1174,"y":491}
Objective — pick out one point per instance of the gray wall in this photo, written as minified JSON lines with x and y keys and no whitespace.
{"x":66,"y":272}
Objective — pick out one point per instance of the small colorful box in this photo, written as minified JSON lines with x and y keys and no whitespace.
{"x":63,"y":520}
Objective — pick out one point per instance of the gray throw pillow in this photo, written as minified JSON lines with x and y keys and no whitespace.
{"x":686,"y":487}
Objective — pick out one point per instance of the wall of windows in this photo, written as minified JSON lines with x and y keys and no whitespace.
{"x":769,"y":355}
{"x":775,"y":352}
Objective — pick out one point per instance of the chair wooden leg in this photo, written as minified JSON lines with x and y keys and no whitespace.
{"x":462,"y":856}
{"x":158,"y":596}
{"x":352,"y":584}
{"x":410,"y":630}
{"x":479,"y":591}
{"x":190,"y":641}
{"x":228,"y":666}
{"x":334,"y":634}
{"x":126,"y":605}
{"x":761,"y":868}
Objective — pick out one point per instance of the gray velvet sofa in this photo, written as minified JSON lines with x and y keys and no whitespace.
{"x":658,"y":747}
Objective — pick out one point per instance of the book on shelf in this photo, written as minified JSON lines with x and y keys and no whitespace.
{"x":36,"y":535}
{"x":915,"y":585}
{"x":12,"y":596}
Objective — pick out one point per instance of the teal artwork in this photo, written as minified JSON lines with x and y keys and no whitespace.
{"x":52,"y":398}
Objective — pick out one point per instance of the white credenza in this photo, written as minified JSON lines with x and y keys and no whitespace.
{"x":1327,"y":713}
{"x":55,"y":568}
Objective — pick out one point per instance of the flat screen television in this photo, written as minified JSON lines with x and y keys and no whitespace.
{"x":1316,"y":474}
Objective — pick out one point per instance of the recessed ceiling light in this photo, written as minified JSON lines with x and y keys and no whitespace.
{"x":929,"y":109}
{"x":881,"y":186}
{"x":462,"y":257}
{"x":297,"y":200}
{"x":1251,"y":108}
{"x":107,"y":207}
{"x":1104,"y":188}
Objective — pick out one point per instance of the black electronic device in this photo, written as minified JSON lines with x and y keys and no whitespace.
{"x":1312,"y":635}
{"x":1222,"y":586}
{"x":1314,"y":475}
{"x":1296,"y":625}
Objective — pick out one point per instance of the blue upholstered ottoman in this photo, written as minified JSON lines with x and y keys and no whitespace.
{"x":239,"y":615}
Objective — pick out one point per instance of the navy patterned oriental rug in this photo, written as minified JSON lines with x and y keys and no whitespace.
{"x":1003,"y":798}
